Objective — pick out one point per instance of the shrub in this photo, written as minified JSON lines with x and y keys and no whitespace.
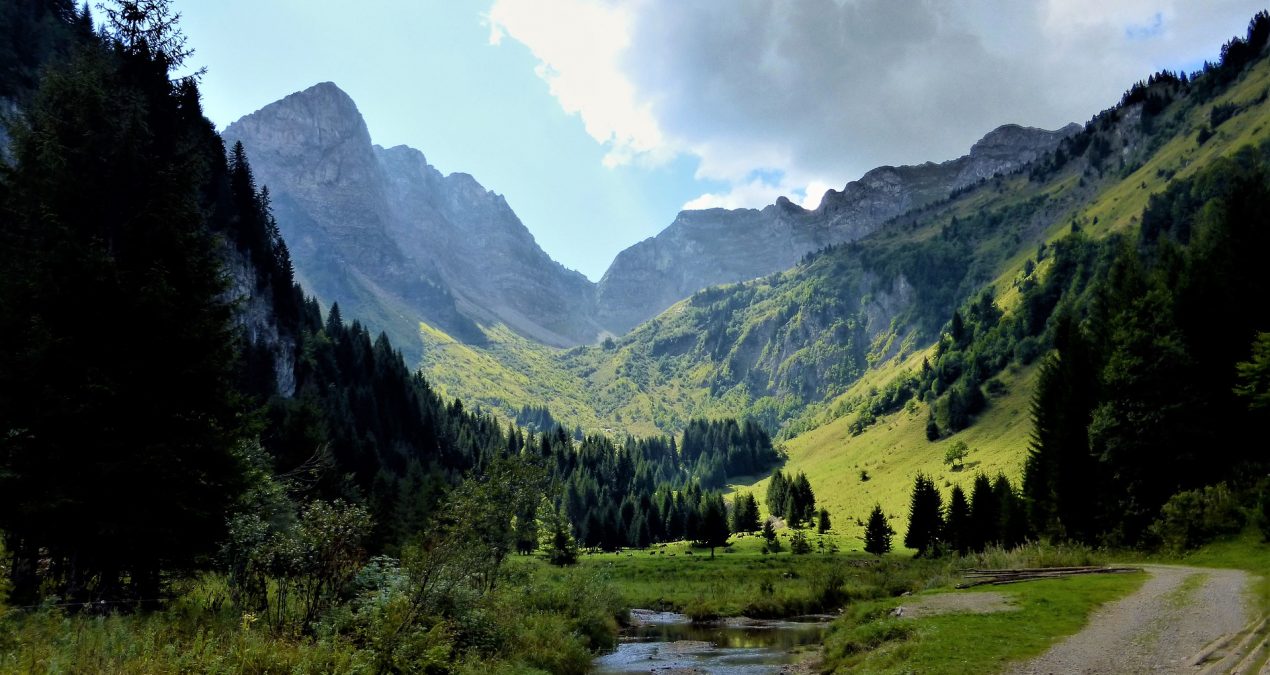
{"x":1194,"y":517}
{"x":546,"y":642}
{"x":700,"y":610}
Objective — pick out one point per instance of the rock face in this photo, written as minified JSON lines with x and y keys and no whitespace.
{"x":489,"y":260}
{"x":393,"y":241}
{"x":716,"y":246}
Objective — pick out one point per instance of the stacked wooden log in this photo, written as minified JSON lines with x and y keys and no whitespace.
{"x":978,"y":577}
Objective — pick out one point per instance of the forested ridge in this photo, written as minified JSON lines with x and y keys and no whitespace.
{"x":148,"y":405}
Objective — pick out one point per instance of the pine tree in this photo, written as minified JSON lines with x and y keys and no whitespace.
{"x":877,"y":533}
{"x":985,"y":515}
{"x":925,"y":521}
{"x":557,"y":533}
{"x":744,"y":513}
{"x":777,"y":494}
{"x":769,"y":536}
{"x":1013,"y":517}
{"x":823,"y":525}
{"x":798,"y":544}
{"x":713,"y":531}
{"x":957,"y":530}
{"x":128,"y":456}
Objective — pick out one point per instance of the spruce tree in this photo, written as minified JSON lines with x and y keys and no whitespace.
{"x":877,"y":532}
{"x":777,"y":494}
{"x":122,"y":454}
{"x":985,"y":514}
{"x":769,"y":536}
{"x":926,"y":520}
{"x":957,"y":529}
{"x":713,"y":530}
{"x":1013,"y":517}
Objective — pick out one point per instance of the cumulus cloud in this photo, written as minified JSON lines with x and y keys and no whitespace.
{"x":578,"y":44}
{"x":788,"y":98}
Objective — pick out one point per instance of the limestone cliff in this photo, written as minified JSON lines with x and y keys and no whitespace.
{"x":715,"y":246}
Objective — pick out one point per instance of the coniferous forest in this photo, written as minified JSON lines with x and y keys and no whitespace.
{"x":203,"y":468}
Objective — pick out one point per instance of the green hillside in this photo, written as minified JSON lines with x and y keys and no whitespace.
{"x":811,"y":352}
{"x":896,"y":448}
{"x":785,"y":348}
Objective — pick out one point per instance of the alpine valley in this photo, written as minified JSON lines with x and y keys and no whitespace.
{"x":277,"y":399}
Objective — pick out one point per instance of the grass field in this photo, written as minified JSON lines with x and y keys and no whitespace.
{"x":870,"y":640}
{"x":741,"y":580}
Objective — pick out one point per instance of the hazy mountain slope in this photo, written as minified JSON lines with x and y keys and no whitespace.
{"x":396,"y":243}
{"x":387,"y":236}
{"x":716,"y":246}
{"x":313,"y":151}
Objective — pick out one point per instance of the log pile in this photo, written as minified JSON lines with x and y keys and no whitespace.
{"x":978,"y":577}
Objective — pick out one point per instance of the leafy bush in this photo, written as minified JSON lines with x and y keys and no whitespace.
{"x":1195,"y":517}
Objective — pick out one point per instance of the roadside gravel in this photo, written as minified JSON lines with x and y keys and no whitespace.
{"x":1159,"y":629}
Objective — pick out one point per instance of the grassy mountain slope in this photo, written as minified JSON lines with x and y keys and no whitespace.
{"x":806,"y":351}
{"x":895,"y":448}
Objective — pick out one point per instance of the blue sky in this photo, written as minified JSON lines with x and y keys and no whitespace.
{"x":600,"y":120}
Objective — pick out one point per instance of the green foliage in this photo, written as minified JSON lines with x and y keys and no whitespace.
{"x":119,"y":461}
{"x":798,"y":544}
{"x":769,"y":537}
{"x":713,"y":530}
{"x":956,"y":454}
{"x":1254,"y":374}
{"x":294,"y":574}
{"x":557,"y":532}
{"x":717,"y":449}
{"x":1195,"y":517}
{"x":1120,"y":426}
{"x":791,"y":498}
{"x":33,"y":34}
{"x":745,"y":515}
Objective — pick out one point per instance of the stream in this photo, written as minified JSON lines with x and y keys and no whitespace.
{"x":664,"y":641}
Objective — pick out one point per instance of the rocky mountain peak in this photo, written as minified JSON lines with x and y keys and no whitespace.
{"x":716,"y":246}
{"x":319,"y":118}
{"x":394,"y":241}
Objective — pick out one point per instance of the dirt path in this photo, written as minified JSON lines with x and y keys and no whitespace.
{"x":1179,"y":614}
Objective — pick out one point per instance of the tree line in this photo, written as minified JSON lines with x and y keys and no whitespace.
{"x":164,"y":377}
{"x":1141,"y":398}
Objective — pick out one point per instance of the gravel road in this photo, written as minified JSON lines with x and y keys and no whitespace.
{"x":1159,"y":629}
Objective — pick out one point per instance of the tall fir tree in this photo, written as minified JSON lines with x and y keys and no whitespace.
{"x":925,"y":518}
{"x":877,"y":532}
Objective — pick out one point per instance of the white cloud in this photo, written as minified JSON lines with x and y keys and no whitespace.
{"x":814,"y":192}
{"x":757,"y":192}
{"x":579,"y":45}
{"x":817,"y":92}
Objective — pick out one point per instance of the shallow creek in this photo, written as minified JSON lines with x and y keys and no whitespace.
{"x":661,"y":641}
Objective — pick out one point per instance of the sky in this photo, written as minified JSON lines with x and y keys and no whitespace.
{"x":600,"y":120}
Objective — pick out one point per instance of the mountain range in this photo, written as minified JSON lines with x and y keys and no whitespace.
{"x":396,"y":243}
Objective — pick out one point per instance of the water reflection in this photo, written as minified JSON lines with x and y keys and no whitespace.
{"x":756,"y":647}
